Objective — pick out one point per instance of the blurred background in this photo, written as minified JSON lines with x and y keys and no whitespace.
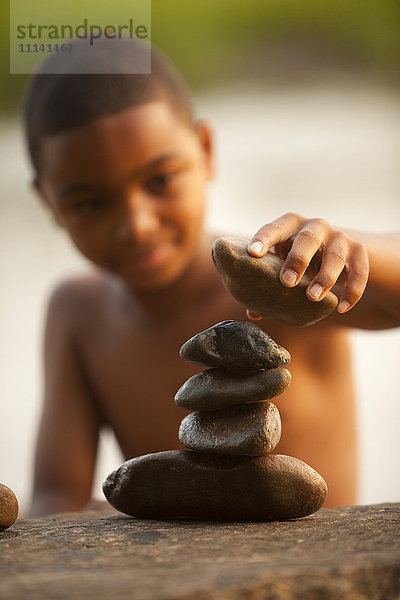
{"x":304,"y":101}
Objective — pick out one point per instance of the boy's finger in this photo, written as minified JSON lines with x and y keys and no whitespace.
{"x":273,"y":233}
{"x":357,"y":279}
{"x":306,"y":243}
{"x":333,"y":263}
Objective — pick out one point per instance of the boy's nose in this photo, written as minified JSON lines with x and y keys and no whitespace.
{"x":139,"y":220}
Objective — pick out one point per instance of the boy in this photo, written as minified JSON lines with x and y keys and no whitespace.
{"x":123,"y":166}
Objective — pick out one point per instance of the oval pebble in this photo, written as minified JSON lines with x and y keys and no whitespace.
{"x":251,"y":429}
{"x":255,"y":283}
{"x":235,"y":346}
{"x":180,"y":483}
{"x":8,"y":507}
{"x":216,"y":388}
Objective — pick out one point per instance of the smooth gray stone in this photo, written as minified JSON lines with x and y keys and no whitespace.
{"x":255,"y":283}
{"x":251,"y":429}
{"x":216,"y":388}
{"x":235,"y":346}
{"x":180,"y":483}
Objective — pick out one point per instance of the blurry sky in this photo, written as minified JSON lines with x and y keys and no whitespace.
{"x":217,"y":42}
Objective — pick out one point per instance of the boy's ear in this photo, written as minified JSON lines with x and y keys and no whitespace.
{"x":37,"y":188}
{"x":204,"y":134}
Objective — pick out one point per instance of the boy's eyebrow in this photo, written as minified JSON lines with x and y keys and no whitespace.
{"x":79,"y":188}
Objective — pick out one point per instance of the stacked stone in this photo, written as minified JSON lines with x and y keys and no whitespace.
{"x":230,"y":398}
{"x":228,"y":472}
{"x":255,"y":283}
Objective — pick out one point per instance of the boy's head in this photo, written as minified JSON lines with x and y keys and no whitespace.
{"x":121,"y":163}
{"x":60,"y":102}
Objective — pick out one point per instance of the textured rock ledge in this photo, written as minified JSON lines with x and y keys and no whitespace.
{"x":341,"y":554}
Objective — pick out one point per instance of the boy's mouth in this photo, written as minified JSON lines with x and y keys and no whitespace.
{"x":149,"y":257}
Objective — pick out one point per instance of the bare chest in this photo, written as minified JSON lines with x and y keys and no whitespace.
{"x":135,"y":373}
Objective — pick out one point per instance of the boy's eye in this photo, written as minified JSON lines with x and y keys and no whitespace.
{"x":89,"y":206}
{"x":159,"y":183}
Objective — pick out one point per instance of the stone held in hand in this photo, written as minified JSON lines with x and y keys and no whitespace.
{"x":251,"y":429}
{"x":216,"y":388}
{"x":235,"y":346}
{"x":181,"y":483}
{"x":254,"y":282}
{"x":8,"y":507}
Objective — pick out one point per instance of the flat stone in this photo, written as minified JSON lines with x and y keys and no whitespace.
{"x":251,"y":429}
{"x":216,"y":388}
{"x":8,"y":507}
{"x":255,"y":283}
{"x":181,"y":483}
{"x":235,"y":346}
{"x":346,"y":553}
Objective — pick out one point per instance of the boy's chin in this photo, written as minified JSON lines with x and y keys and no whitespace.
{"x":151,"y":282}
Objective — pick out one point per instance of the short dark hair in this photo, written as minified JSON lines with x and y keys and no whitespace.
{"x":62,"y":101}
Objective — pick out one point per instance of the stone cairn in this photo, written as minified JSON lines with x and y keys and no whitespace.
{"x":228,"y":472}
{"x":244,"y":369}
{"x":8,"y":507}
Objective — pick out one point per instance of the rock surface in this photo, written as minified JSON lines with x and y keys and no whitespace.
{"x":8,"y":507}
{"x":235,"y":346}
{"x":251,"y":429}
{"x":180,"y":483}
{"x":255,"y":283}
{"x":215,"y":388}
{"x":347,"y":553}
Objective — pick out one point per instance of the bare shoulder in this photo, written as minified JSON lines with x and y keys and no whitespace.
{"x":78,"y":299}
{"x":88,"y":283}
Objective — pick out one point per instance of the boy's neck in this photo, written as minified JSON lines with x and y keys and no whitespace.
{"x":195,"y":284}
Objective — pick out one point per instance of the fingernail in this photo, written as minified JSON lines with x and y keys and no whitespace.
{"x":256,"y":247}
{"x":316,"y":291}
{"x":343,"y":306}
{"x":289,"y":277}
{"x":253,"y":316}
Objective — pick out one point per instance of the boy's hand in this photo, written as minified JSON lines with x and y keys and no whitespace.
{"x":302,"y":242}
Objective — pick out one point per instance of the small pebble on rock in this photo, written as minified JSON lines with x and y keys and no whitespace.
{"x":8,"y":507}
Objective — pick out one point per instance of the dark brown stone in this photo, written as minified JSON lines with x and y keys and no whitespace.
{"x":251,"y":429}
{"x":346,"y":553}
{"x":216,"y":388}
{"x":235,"y":346}
{"x":255,"y":283}
{"x":8,"y":507}
{"x":180,"y":483}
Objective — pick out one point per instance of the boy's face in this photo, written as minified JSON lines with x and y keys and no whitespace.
{"x":129,"y":188}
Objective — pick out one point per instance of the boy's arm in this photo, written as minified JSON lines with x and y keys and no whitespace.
{"x":68,"y":435}
{"x":362,"y":269}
